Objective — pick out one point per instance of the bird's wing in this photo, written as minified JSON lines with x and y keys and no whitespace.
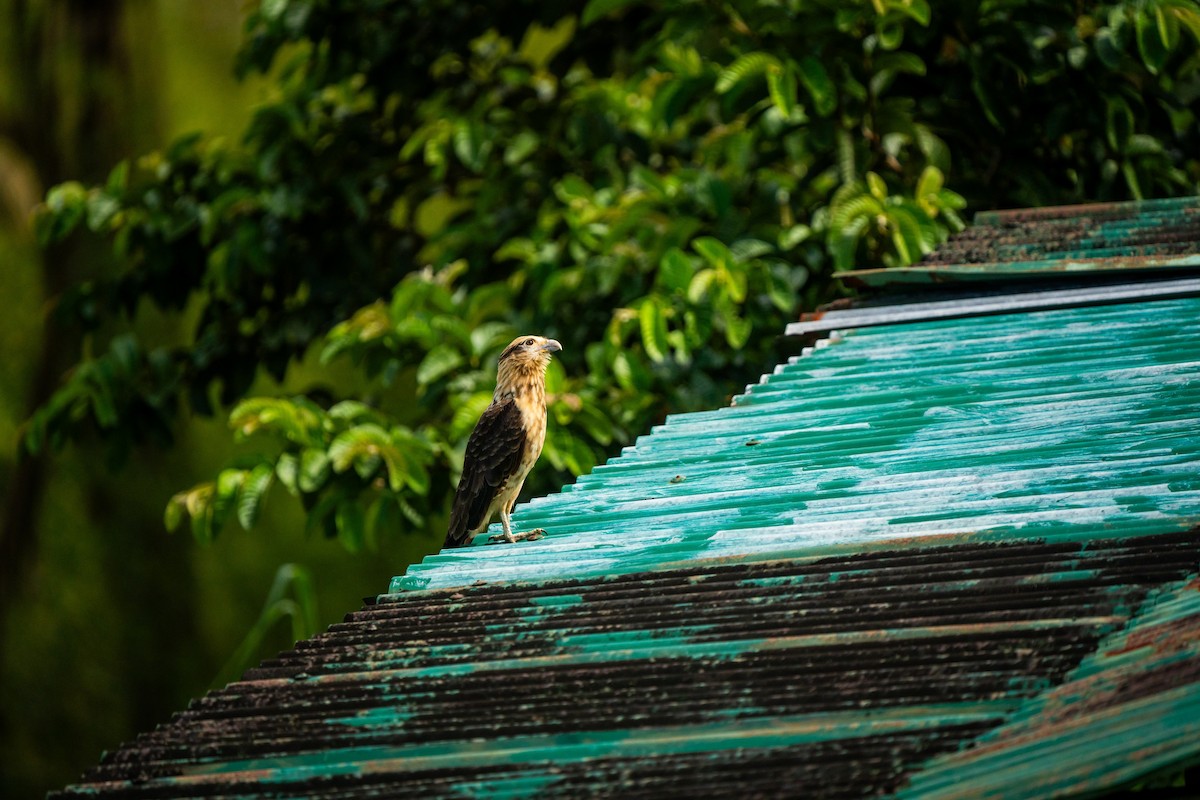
{"x":493,"y":455}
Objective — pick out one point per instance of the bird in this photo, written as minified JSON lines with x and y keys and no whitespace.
{"x":504,"y":445}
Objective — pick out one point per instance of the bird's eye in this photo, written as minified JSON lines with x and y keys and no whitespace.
{"x":529,"y":342}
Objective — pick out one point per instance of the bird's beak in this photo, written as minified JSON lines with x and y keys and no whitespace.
{"x":552,"y":345}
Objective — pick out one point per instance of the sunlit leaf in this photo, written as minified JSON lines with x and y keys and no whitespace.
{"x":781,"y":85}
{"x":254,"y":490}
{"x":437,"y":363}
{"x":714,"y":251}
{"x":744,"y":68}
{"x":654,"y":330}
{"x":314,"y":469}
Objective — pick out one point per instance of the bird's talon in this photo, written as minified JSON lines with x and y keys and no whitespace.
{"x":529,"y":536}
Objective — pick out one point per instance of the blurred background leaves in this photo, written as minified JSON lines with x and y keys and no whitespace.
{"x":289,"y":321}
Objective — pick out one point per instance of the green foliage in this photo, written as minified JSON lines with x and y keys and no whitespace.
{"x":658,"y":186}
{"x":292,"y":597}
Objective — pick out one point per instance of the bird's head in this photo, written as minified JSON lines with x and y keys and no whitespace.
{"x":528,"y":352}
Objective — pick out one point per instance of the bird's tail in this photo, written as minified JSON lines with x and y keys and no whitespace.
{"x":457,"y":534}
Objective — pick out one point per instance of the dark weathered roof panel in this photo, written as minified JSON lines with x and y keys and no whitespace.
{"x":827,"y":658}
{"x":1045,"y":243}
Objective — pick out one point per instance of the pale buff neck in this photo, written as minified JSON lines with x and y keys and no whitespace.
{"x":521,"y":379}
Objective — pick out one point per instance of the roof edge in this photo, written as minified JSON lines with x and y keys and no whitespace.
{"x":822,"y":322}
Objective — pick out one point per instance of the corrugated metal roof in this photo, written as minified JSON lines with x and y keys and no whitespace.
{"x":936,"y":556}
{"x":1056,"y":423}
{"x":1044,"y":243}
{"x":899,"y":541}
{"x":823,"y":676}
{"x":985,"y":304}
{"x":1131,"y":708}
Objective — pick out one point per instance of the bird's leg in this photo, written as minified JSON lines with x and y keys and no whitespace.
{"x":508,"y":536}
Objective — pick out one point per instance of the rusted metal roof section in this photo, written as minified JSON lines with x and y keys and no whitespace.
{"x":1131,"y":709}
{"x":807,"y":676}
{"x":1048,"y":242}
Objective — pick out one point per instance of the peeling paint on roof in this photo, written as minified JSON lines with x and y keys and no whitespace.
{"x":1136,"y":696}
{"x":1050,"y":242}
{"x":822,"y":663}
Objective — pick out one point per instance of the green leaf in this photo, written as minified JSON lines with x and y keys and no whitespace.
{"x":438,"y":362}
{"x":1150,"y":42}
{"x":287,"y":469}
{"x":793,"y":236}
{"x":351,"y":525}
{"x":490,"y":336}
{"x":818,"y":85}
{"x":540,"y":45}
{"x":675,"y":270}
{"x":174,"y":512}
{"x":118,"y":178}
{"x":357,"y":445}
{"x":1129,"y":171}
{"x":859,"y":208}
{"x":254,"y":489}
{"x":901,"y":61}
{"x":737,"y":332}
{"x":521,"y":147}
{"x":630,"y":374}
{"x":472,"y":144}
{"x":351,"y":410}
{"x":229,"y":484}
{"x":1119,"y":122}
{"x":1188,"y":15}
{"x":906,"y":235}
{"x":409,"y":464}
{"x":1168,"y":27}
{"x":781,"y":85}
{"x":918,"y":10}
{"x":845,"y":242}
{"x":749,"y":249}
{"x":701,"y":282}
{"x":847,"y":168}
{"x":928,"y":187}
{"x":984,"y":95}
{"x":745,"y":68}
{"x":654,"y":330}
{"x":314,"y":469}
{"x":467,"y":413}
{"x":714,"y":251}
{"x":321,"y":517}
{"x":876,"y":186}
{"x":596,"y":9}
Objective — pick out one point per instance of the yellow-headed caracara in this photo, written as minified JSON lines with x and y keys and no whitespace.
{"x":506,"y":442}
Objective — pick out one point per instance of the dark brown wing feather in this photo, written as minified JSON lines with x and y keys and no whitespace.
{"x":493,"y":454}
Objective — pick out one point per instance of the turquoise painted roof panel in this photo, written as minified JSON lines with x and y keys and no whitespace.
{"x":1063,"y":423}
